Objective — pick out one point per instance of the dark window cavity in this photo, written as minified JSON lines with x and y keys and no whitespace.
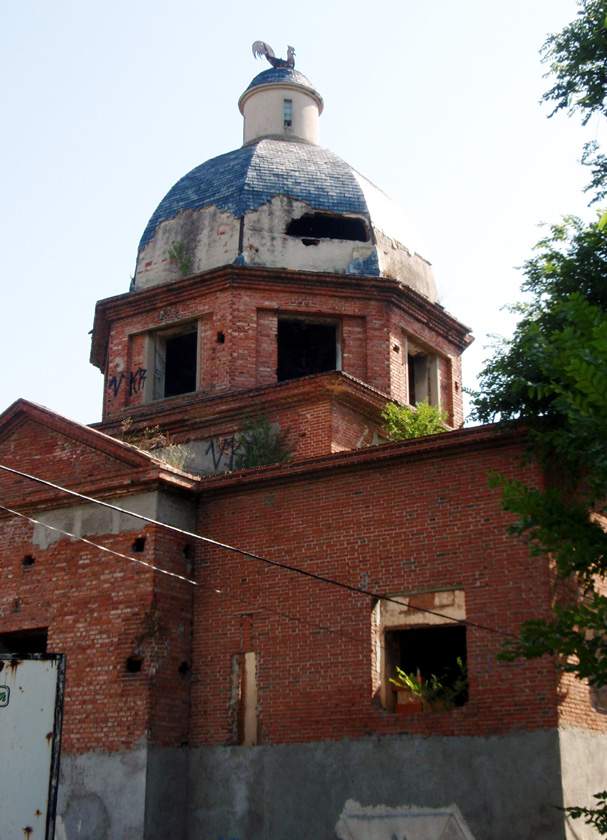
{"x":430,"y":651}
{"x":314,"y":226}
{"x":305,"y":347}
{"x":24,"y":641}
{"x":176,"y":355}
{"x":422,"y":377}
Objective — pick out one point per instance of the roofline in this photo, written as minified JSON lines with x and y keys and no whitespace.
{"x":184,"y":414}
{"x":475,"y":438}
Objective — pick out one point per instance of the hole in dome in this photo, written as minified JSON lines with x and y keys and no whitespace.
{"x":314,"y":226}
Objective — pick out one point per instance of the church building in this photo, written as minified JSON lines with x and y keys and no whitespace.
{"x":277,"y":306}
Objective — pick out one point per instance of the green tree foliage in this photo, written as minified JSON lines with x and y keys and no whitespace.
{"x":402,"y":422}
{"x":577,"y":60}
{"x":552,"y":377}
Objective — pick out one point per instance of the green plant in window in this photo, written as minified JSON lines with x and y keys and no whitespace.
{"x":445,"y":691}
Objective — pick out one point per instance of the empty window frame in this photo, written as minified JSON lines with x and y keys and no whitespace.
{"x":175,"y":361}
{"x":404,"y":634}
{"x":307,"y":346}
{"x":287,"y":113}
{"x":423,"y":384}
{"x":24,"y":641}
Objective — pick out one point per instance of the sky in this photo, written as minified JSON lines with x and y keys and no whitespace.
{"x":105,"y":105}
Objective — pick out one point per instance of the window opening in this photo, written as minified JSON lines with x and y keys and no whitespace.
{"x":305,"y":347}
{"x":434,"y":656}
{"x":422,"y":377}
{"x":287,"y":113}
{"x":24,"y":641}
{"x":313,"y":226}
{"x":138,"y":545}
{"x":28,"y":561}
{"x":175,"y":364}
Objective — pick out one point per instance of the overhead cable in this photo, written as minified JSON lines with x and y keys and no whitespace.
{"x":260,"y":558}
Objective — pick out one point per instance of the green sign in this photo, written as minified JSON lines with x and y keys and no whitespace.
{"x":5,"y":693}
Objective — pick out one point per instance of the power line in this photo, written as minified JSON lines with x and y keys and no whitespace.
{"x":100,"y":547}
{"x":294,"y":618}
{"x":244,"y":553}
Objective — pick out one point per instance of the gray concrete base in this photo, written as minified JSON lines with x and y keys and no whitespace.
{"x":102,"y":796}
{"x":507,"y":788}
{"x":584,"y":772}
{"x":130,"y":795}
{"x":511,"y":787}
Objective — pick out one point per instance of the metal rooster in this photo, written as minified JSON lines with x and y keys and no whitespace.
{"x":261,"y":48}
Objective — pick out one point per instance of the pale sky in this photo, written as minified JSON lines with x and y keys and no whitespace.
{"x":105,"y":105}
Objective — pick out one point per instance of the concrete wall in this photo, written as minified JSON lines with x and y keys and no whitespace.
{"x":128,"y":795}
{"x":584,"y":772}
{"x":507,"y":788}
{"x":102,"y":796}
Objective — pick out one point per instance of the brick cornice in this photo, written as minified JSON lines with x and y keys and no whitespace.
{"x":252,"y":277}
{"x":470,"y":440}
{"x":184,"y":414}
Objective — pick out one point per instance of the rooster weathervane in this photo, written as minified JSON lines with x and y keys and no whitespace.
{"x":260,"y":48}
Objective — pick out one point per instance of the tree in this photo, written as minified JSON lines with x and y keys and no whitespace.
{"x":577,"y":60}
{"x":552,"y":377}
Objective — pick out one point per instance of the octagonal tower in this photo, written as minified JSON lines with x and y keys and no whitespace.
{"x":276,"y":278}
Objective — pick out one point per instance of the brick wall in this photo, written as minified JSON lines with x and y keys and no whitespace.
{"x":409,"y":526}
{"x":246,"y":317}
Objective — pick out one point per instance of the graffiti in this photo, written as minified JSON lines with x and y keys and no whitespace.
{"x":223,"y":451}
{"x":136,"y":381}
{"x":114,"y":384}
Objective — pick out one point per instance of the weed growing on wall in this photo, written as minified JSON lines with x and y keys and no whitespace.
{"x":262,"y":443}
{"x":401,"y":422}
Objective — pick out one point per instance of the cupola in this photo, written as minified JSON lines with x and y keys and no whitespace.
{"x":281,"y":102}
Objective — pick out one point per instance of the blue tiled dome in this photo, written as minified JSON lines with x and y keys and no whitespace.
{"x":251,"y":176}
{"x":282,"y":75}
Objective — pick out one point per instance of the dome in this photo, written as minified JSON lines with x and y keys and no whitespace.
{"x":283,"y":76}
{"x":280,"y":201}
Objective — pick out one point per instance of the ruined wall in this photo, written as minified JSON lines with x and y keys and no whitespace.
{"x":237,"y":348}
{"x":409,"y":527}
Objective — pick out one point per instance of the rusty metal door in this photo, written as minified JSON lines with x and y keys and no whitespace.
{"x":31,"y":705}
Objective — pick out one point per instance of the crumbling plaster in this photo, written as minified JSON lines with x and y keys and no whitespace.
{"x":89,"y":519}
{"x":211,"y":237}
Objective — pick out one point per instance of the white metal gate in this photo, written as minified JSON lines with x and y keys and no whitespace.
{"x":31,"y":705}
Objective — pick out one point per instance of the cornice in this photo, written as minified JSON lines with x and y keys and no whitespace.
{"x":263,"y":278}
{"x":189,"y":413}
{"x":447,"y":444}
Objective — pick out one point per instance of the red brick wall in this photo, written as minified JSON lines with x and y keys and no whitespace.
{"x":247,"y":319}
{"x":100,"y":610}
{"x":404,"y":527}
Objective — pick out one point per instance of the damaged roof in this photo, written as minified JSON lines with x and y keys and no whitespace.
{"x":246,"y":178}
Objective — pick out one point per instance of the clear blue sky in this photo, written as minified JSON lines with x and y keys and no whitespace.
{"x":105,"y":105}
